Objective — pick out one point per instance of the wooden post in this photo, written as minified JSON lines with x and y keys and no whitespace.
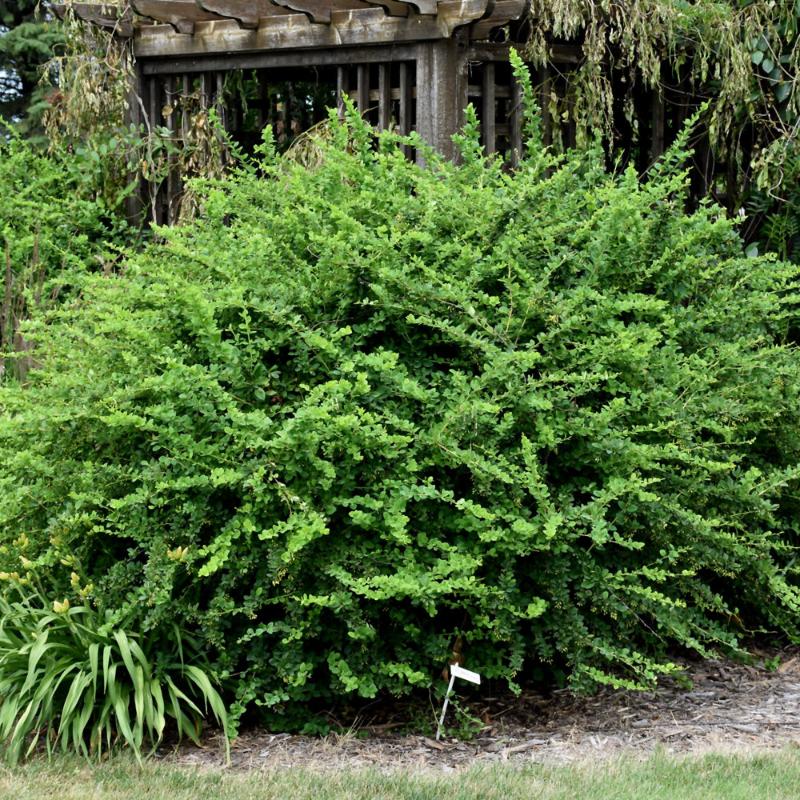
{"x":135,"y":202}
{"x":441,"y":92}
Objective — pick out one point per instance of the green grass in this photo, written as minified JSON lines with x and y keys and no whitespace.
{"x":772,"y":777}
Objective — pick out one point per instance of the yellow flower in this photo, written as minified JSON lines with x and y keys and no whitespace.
{"x":22,"y":541}
{"x":177,"y":554}
{"x":74,"y":580}
{"x":61,"y":608}
{"x":26,"y":562}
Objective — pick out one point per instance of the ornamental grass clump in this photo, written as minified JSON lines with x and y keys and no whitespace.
{"x":356,"y":413}
{"x":75,"y":679}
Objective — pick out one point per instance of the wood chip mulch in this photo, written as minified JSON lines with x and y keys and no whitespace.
{"x":730,"y":708}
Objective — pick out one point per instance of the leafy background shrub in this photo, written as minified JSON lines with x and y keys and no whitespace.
{"x":54,"y":228}
{"x":356,"y":412}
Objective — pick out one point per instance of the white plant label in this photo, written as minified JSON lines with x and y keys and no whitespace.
{"x":455,"y":672}
{"x":465,"y":674}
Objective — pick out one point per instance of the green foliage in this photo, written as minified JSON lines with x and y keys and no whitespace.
{"x":357,"y":411}
{"x":78,"y":679}
{"x":743,"y":56}
{"x":54,"y":227}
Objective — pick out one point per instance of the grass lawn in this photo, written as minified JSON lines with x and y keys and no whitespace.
{"x":772,"y":777}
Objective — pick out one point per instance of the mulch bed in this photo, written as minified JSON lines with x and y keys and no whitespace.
{"x":730,"y":707}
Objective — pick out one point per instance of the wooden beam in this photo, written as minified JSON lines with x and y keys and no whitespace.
{"x":503,"y":12}
{"x":454,"y":14}
{"x":320,"y":11}
{"x":103,"y":15}
{"x":181,"y":15}
{"x":248,"y":13}
{"x":280,"y":59}
{"x":423,"y":6}
{"x":369,"y":26}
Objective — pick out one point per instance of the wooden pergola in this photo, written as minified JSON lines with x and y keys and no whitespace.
{"x":409,"y":65}
{"x":406,"y":64}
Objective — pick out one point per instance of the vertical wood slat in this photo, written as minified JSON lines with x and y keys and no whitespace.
{"x":172,"y":178}
{"x":342,"y":87}
{"x":489,"y":115}
{"x":205,"y":90}
{"x":384,"y":97}
{"x":290,"y":109}
{"x":185,"y":91}
{"x":515,"y":122}
{"x":154,"y":120}
{"x":219,"y":98}
{"x":263,"y":100}
{"x":404,"y":120}
{"x":136,"y":102}
{"x":657,"y":124}
{"x":544,"y":102}
{"x":362,"y":89}
{"x":284,"y":115}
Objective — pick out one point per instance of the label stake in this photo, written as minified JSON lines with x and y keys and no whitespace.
{"x":455,"y":672}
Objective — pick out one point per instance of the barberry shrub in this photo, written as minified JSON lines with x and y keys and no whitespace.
{"x":357,"y":412}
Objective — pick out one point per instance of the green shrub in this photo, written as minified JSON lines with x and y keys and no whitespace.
{"x":73,"y":678}
{"x":355,"y":412}
{"x":54,"y":228}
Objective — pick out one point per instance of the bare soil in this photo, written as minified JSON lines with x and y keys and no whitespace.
{"x":728,"y":708}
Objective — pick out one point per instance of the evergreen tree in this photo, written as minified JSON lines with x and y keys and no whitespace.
{"x":27,"y":41}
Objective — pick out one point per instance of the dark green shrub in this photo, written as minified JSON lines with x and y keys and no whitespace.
{"x":357,"y":411}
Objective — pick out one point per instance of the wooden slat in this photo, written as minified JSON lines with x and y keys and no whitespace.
{"x":384,"y":96}
{"x":247,"y":13}
{"x":186,"y":88}
{"x":489,"y":109}
{"x":515,"y":122}
{"x":181,"y":15}
{"x":362,"y":88}
{"x":657,"y":125}
{"x":545,"y":89}
{"x":342,"y":87}
{"x":169,"y":102}
{"x":405,"y":116}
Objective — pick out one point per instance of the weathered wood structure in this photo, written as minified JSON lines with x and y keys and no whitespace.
{"x":409,"y":64}
{"x":406,"y":64}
